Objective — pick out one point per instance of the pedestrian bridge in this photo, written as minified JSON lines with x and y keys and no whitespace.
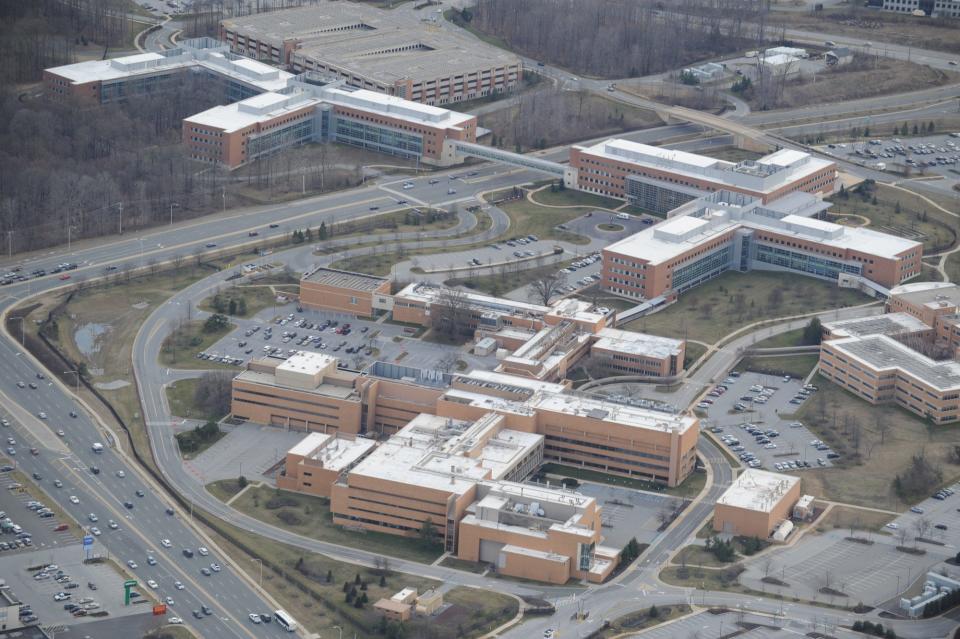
{"x":469,"y":149}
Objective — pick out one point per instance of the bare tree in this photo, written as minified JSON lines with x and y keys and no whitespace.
{"x":547,"y":286}
{"x":450,"y":313}
{"x":213,"y":393}
{"x":447,"y":363}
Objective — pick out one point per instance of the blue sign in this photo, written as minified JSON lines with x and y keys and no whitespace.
{"x":87,"y":541}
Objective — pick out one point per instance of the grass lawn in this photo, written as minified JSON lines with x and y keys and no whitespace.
{"x":310,"y":516}
{"x":845,"y":517}
{"x":694,"y":555}
{"x":224,"y":489}
{"x":796,"y":366}
{"x":916,"y":219}
{"x":637,"y":621}
{"x":952,"y":267}
{"x":692,"y":353}
{"x":180,"y":348}
{"x":255,"y":298}
{"x":201,"y":445}
{"x":476,"y":567}
{"x":782,"y":340}
{"x":180,"y":396}
{"x":569,"y":197}
{"x":506,"y":280}
{"x":704,"y":578}
{"x":528,"y":218}
{"x":731,"y":154}
{"x":113,"y":312}
{"x":688,"y":489}
{"x":733,"y":300}
{"x":833,"y":414}
{"x":171,"y":632}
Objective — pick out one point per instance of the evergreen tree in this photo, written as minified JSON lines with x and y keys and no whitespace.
{"x":383,"y":581}
{"x":653,"y":613}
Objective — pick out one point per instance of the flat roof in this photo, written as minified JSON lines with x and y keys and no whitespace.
{"x":376,"y":44}
{"x":758,"y":490}
{"x":334,"y":453}
{"x":620,"y":149}
{"x":324,"y":389}
{"x":493,"y":379}
{"x":430,"y":293}
{"x":617,"y":413}
{"x":883,"y":353}
{"x":933,"y":295}
{"x":678,"y":235}
{"x":344,"y":279}
{"x":614,"y":339}
{"x":888,"y":324}
{"x":259,"y":108}
{"x":307,"y":362}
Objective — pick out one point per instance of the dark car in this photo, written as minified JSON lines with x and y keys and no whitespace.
{"x":266,"y":618}
{"x":139,"y":493}
{"x":252,"y":234}
{"x":188,"y":553}
{"x":273,"y":226}
{"x":206,"y":610}
{"x":196,"y":614}
{"x":210,"y":244}
{"x":170,"y":511}
{"x":73,"y":414}
{"x":128,"y":505}
{"x":95,"y":470}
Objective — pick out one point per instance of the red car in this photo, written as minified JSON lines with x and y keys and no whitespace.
{"x":65,"y":276}
{"x":61,"y":528}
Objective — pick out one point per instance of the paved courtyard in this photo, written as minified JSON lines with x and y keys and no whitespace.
{"x":247,"y":449}
{"x":628,"y":513}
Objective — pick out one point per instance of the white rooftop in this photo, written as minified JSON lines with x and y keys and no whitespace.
{"x":614,"y":339}
{"x":334,"y":453}
{"x":307,"y":362}
{"x":259,"y":108}
{"x":617,"y":413}
{"x":883,"y":353}
{"x":620,"y":149}
{"x":887,"y":324}
{"x":494,"y":378}
{"x":758,"y":490}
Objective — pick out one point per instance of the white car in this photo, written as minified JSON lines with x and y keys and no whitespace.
{"x":152,"y":584}
{"x":132,"y":564}
{"x":254,"y":617}
{"x":168,"y":601}
{"x":166,"y":543}
{"x":203,"y":551}
{"x":94,"y":531}
{"x":215,"y":567}
{"x":892,"y":526}
{"x":92,"y":518}
{"x":121,"y":474}
{"x":74,"y":499}
{"x":174,"y":621}
{"x":113,"y":525}
{"x":61,"y":433}
{"x":178,"y":585}
{"x":42,"y":415}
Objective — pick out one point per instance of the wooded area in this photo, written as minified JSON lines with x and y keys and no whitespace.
{"x":39,"y":34}
{"x":620,"y":38}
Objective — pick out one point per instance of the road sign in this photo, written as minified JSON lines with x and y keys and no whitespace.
{"x":87,"y":541}
{"x":130,"y":583}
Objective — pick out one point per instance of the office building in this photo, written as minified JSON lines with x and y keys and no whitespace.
{"x":460,"y":478}
{"x":727,"y":231}
{"x":936,"y":304}
{"x":756,"y":503}
{"x":270,"y":109}
{"x":659,"y":179}
{"x":342,"y":291}
{"x":389,"y":52}
{"x":900,"y":326}
{"x":928,"y":8}
{"x":880,"y":370}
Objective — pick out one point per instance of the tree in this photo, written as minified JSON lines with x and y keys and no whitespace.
{"x":329,"y":576}
{"x":450,"y":313}
{"x":213,"y":393}
{"x":689,"y":78}
{"x":383,"y":581}
{"x":215,"y":323}
{"x":428,"y":532}
{"x":242,"y":481}
{"x":653,"y":613}
{"x":547,"y":286}
{"x":631,"y":551}
{"x":813,"y":332}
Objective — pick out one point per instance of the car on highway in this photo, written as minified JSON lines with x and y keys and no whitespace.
{"x":112,"y":525}
{"x":168,"y":601}
{"x":210,"y":244}
{"x":254,"y":617}
{"x":93,"y":518}
{"x":132,"y":564}
{"x":178,"y":585}
{"x":151,"y":560}
{"x":205,"y":572}
{"x":21,"y":385}
{"x":215,"y":567}
{"x":138,"y":493}
{"x":121,"y":474}
{"x":57,"y":483}
{"x":42,"y":415}
{"x":203,"y":551}
{"x":128,"y":505}
{"x":74,"y":499}
{"x":165,"y":543}
{"x":94,"y":531}
{"x":153,"y":584}
{"x":175,"y":621}
{"x":60,"y":433}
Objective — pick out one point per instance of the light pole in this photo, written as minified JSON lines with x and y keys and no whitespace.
{"x":121,"y":217}
{"x":172,"y":204}
{"x":339,"y":632}
{"x":224,"y":193}
{"x":259,"y":561}
{"x":78,"y":378}
{"x":9,"y":244}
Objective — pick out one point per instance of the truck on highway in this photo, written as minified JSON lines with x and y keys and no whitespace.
{"x":97,"y":447}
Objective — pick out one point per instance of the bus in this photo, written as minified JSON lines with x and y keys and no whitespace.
{"x":285,"y":621}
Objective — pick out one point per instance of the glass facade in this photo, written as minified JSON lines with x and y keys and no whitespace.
{"x":652,"y":197}
{"x":705,"y":268}
{"x":296,"y":133}
{"x":377,"y":138}
{"x":121,"y":89}
{"x":815,"y":265}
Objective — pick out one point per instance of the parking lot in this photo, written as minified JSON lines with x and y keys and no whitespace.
{"x":356,"y":342}
{"x":628,"y":513}
{"x":37,"y":530}
{"x":934,"y":512}
{"x":872,"y":573}
{"x":105,"y":598}
{"x":928,"y":155}
{"x":758,"y":433}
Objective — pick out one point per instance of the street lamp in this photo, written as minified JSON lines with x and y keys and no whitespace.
{"x":339,"y":632}
{"x":121,"y":218}
{"x":78,"y":378}
{"x":172,"y":204}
